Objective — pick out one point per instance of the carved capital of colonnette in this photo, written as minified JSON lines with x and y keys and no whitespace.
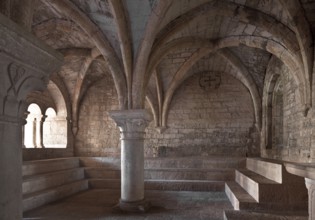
{"x":131,"y":123}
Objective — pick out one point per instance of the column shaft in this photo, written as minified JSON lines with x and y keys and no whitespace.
{"x":39,"y":132}
{"x":132,"y":124}
{"x":10,"y":172}
{"x":132,"y":170}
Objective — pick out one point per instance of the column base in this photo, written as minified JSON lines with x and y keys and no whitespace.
{"x":137,"y":207}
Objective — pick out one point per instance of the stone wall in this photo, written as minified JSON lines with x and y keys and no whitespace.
{"x":297,"y":132}
{"x":201,"y":123}
{"x":46,"y":153}
{"x":55,"y":132}
{"x":98,"y":134}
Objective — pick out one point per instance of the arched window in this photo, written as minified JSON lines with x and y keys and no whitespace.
{"x":47,"y":124}
{"x":50,"y":113}
{"x":33,"y":128}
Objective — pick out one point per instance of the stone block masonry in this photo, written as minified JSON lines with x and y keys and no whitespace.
{"x":98,"y":134}
{"x":297,"y":136}
{"x":200,"y":122}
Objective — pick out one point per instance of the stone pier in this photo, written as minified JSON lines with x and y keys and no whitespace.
{"x":25,"y":66}
{"x":132,"y":124}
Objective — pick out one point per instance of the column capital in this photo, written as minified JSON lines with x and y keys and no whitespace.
{"x":309,"y":183}
{"x":131,"y":123}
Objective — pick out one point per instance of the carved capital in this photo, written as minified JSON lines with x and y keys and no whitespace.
{"x":131,"y":123}
{"x":310,"y":184}
{"x":16,"y":81}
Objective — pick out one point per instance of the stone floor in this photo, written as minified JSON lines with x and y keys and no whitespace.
{"x":166,"y":205}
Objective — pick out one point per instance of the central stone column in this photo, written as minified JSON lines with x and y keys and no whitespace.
{"x":132,"y":124}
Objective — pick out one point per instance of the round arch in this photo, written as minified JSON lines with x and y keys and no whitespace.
{"x":32,"y":127}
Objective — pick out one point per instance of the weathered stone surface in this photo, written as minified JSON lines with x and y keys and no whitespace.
{"x":205,"y":123}
{"x":100,"y":98}
{"x":253,"y":94}
{"x":297,"y":130}
{"x":255,"y":189}
{"x":308,"y":172}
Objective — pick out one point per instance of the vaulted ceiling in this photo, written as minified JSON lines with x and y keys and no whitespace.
{"x":151,"y":46}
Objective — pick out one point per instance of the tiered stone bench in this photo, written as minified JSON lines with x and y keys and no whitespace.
{"x":307,"y":171}
{"x":177,"y":174}
{"x":45,"y":181}
{"x":265,"y":186}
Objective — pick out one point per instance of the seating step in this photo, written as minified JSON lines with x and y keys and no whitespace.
{"x":36,"y":167}
{"x":246,"y":215}
{"x":259,"y":187}
{"x":166,"y":185}
{"x":190,"y":174}
{"x":184,"y":185}
{"x":272,"y":170}
{"x":238,"y":197}
{"x":166,"y":174}
{"x":101,"y":173}
{"x":34,"y":200}
{"x":180,"y":162}
{"x":40,"y":182}
{"x":195,"y":162}
{"x":241,"y":200}
{"x":111,"y":163}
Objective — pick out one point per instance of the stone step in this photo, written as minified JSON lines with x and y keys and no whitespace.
{"x":190,"y":174}
{"x":195,"y":162}
{"x":180,"y":162}
{"x":36,"y":167}
{"x":275,"y":170}
{"x":104,"y":162}
{"x":272,"y":170}
{"x":185,"y":185}
{"x":259,"y":187}
{"x":241,"y":200}
{"x":101,"y":173}
{"x":238,"y":197}
{"x":166,"y":174}
{"x":246,"y":215}
{"x":37,"y":199}
{"x":40,"y":182}
{"x":165,"y":185}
